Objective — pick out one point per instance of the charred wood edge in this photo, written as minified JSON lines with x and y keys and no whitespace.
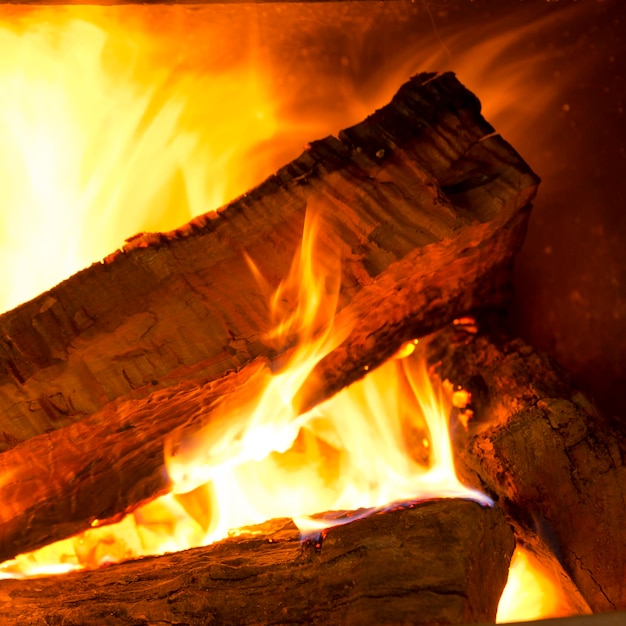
{"x":541,"y":448}
{"x":443,"y":561}
{"x":160,"y":311}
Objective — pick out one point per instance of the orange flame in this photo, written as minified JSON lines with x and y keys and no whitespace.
{"x":88,"y":101}
{"x":349,"y":452}
{"x":381,"y":440}
{"x":118,"y":120}
{"x":101,"y":140}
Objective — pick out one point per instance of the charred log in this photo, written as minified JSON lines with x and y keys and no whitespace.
{"x":541,"y":447}
{"x":57,"y":484}
{"x":424,"y":202}
{"x":442,"y":562}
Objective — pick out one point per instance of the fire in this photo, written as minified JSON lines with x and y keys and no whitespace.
{"x":362,"y":448}
{"x":119,"y":120}
{"x":381,"y":440}
{"x":102,"y":139}
{"x":533,"y":592}
{"x":88,"y":101}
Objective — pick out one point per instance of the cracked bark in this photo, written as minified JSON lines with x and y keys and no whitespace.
{"x":441,"y":562}
{"x":555,"y":463}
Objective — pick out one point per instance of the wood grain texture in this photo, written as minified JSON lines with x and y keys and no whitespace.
{"x":441,"y":562}
{"x":545,"y":452}
{"x":421,"y":199}
{"x":55,"y":485}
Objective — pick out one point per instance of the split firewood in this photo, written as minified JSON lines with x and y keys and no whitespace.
{"x":424,"y":203}
{"x":539,"y":446}
{"x":441,"y":562}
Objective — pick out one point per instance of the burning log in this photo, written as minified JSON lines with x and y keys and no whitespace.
{"x":56,"y":485}
{"x":442,"y":562}
{"x":544,"y":451}
{"x":423,"y":201}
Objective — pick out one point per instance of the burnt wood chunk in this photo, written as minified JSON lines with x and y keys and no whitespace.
{"x":554,"y":463}
{"x":56,"y":485}
{"x":421,"y":200}
{"x":441,"y":562}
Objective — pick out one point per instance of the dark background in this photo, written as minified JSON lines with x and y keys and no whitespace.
{"x":571,"y":274}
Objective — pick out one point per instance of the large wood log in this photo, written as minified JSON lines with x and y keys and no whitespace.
{"x":429,"y":207}
{"x":425,"y":202}
{"x":442,"y":562}
{"x":542,"y":449}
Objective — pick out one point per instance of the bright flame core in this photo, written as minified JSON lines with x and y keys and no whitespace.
{"x":532,"y":592}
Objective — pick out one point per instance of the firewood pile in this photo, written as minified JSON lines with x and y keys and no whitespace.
{"x":426,"y":206}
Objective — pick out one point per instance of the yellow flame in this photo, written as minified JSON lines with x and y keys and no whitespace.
{"x":89,"y":103}
{"x":239,"y":453}
{"x":381,"y":440}
{"x":118,"y":120}
{"x":101,"y":140}
{"x":532,"y":592}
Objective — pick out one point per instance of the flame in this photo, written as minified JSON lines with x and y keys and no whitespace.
{"x":119,"y":120}
{"x":101,"y":139}
{"x":532,"y":592}
{"x":381,"y":440}
{"x":247,"y":452}
{"x":89,"y":102}
{"x":358,"y":449}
